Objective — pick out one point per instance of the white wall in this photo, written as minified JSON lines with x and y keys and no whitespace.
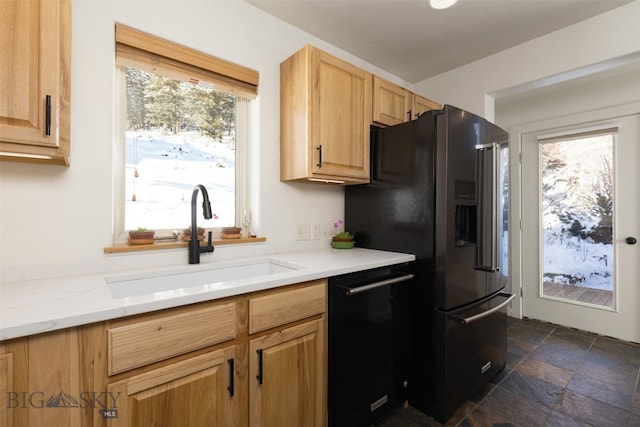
{"x":56,"y":221}
{"x":590,"y":45}
{"x":592,"y":94}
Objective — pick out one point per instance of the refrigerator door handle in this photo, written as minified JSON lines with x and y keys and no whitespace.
{"x":374,"y":285}
{"x":489,"y":269}
{"x":487,"y":158}
{"x":471,"y":319}
{"x":485,"y":146}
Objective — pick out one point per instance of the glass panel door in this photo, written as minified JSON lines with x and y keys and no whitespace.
{"x":580,"y":224}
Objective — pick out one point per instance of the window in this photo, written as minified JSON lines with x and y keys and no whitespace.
{"x":577,"y":211}
{"x":182,"y":121}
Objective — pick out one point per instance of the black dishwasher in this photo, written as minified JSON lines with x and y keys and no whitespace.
{"x":369,"y":345}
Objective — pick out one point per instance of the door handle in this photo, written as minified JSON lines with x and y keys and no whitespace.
{"x":488,"y":269}
{"x":259,"y":376}
{"x":487,"y":178}
{"x":631,"y":240}
{"x":231,"y":387}
{"x":47,"y":115}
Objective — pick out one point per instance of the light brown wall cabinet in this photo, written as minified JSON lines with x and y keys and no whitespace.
{"x":325,"y":113}
{"x":420,"y":104}
{"x":252,"y":360}
{"x":35,"y":75}
{"x":393,"y":104}
{"x":326,"y":108}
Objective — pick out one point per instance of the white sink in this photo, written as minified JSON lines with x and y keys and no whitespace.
{"x":205,"y":276}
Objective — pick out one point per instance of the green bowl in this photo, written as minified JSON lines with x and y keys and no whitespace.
{"x":342,"y":245}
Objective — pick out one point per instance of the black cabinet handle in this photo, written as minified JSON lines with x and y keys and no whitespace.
{"x":259,"y":376}
{"x":47,"y":113}
{"x":319,"y":148}
{"x":231,"y":386}
{"x":631,"y":240}
{"x":409,"y":114}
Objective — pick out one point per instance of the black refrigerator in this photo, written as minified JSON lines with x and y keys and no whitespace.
{"x":439,"y":190}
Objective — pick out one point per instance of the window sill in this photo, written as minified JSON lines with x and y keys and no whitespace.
{"x":159,"y":245}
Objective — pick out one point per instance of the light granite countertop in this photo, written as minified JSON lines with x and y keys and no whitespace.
{"x":43,"y":305}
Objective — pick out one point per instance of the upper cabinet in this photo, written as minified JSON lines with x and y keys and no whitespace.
{"x":35,"y":75}
{"x":393,"y":104}
{"x":325,"y":114}
{"x":420,"y":104}
{"x":326,"y":109}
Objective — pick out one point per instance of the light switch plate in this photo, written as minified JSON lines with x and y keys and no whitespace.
{"x":302,"y":232}
{"x":315,"y":231}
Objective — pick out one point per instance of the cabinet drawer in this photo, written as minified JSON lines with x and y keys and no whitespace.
{"x":278,"y":309}
{"x":145,"y":342}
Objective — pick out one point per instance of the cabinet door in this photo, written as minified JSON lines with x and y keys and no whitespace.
{"x":35,"y":79}
{"x":288,"y":377}
{"x":421,"y":105}
{"x":391,"y":103}
{"x":194,"y":392}
{"x":340,"y":118}
{"x":6,"y":387}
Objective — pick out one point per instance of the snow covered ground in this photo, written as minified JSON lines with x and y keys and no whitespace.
{"x":169,"y":167}
{"x":571,"y":260}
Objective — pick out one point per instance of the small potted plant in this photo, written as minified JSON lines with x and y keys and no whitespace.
{"x":186,"y":233}
{"x":141,"y":236}
{"x":231,"y":233}
{"x":341,"y":239}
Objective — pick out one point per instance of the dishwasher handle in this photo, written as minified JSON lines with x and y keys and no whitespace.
{"x":360,"y":289}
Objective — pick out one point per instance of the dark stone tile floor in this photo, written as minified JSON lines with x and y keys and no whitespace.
{"x":554,"y":376}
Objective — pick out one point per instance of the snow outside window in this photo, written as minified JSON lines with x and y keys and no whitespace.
{"x":577,"y":189}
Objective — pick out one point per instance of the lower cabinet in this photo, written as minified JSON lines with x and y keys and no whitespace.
{"x":287,"y":374}
{"x":44,"y":381}
{"x":250,"y":360}
{"x":195,"y":392}
{"x":6,"y":387}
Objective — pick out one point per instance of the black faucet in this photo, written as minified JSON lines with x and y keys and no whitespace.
{"x":194,"y":244}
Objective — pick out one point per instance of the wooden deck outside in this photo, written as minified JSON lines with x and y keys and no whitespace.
{"x":577,"y":293}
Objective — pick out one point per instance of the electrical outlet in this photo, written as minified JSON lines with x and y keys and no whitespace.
{"x":302,"y":232}
{"x":315,"y":231}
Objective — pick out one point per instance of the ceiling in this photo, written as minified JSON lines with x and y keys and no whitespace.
{"x":414,"y":42}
